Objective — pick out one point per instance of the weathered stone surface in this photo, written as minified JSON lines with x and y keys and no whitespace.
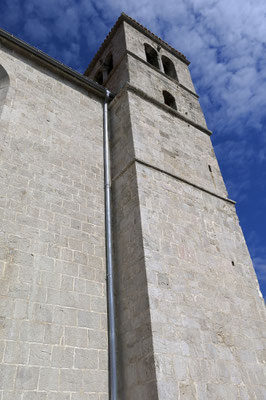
{"x":190,"y":320}
{"x":206,"y":319}
{"x":51,"y":190}
{"x":180,"y":252}
{"x":135,"y":40}
{"x":136,"y":362}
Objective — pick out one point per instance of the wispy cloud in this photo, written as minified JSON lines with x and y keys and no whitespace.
{"x":35,"y":28}
{"x":260,"y":267}
{"x":226,"y":44}
{"x":258,"y":253}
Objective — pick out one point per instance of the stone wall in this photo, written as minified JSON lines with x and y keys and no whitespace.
{"x":53,"y":305}
{"x":135,"y":43}
{"x":136,"y":364}
{"x":136,"y":367}
{"x":179,"y":250}
{"x":164,"y":141}
{"x":190,"y":319}
{"x":207,"y":318}
{"x":142,"y":75}
{"x":189,"y":315}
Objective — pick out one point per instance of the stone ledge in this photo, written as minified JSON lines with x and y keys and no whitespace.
{"x":136,"y":160}
{"x":129,"y":53}
{"x":162,"y":73}
{"x":140,"y":93}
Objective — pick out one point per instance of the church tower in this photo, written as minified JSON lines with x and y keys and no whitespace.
{"x":189,"y":310}
{"x":190,"y":319}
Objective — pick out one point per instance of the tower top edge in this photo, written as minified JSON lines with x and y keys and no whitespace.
{"x":125,"y":18}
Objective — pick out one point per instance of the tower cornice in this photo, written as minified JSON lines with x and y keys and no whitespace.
{"x":125,"y":18}
{"x":129,"y":87}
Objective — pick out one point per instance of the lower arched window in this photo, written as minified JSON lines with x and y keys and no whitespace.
{"x":169,"y":100}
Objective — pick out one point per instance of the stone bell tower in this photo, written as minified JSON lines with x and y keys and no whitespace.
{"x":189,"y":312}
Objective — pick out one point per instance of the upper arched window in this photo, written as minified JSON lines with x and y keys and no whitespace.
{"x":99,"y":77}
{"x":108,"y":63}
{"x":169,"y":67}
{"x":4,"y":84}
{"x":169,"y":100}
{"x":151,"y":55}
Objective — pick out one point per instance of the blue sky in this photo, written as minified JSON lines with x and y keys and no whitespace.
{"x":226,"y":44}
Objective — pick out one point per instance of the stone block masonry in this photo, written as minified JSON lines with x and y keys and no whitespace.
{"x":137,"y":379}
{"x":53,"y":305}
{"x":206,"y":314}
{"x":190,"y":317}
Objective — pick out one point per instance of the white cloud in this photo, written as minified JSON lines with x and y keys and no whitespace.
{"x":260,"y":267}
{"x":258,"y":253}
{"x":224,"y":40}
{"x":35,"y":30}
{"x":226,"y":43}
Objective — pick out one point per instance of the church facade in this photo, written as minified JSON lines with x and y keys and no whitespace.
{"x":190,"y":319}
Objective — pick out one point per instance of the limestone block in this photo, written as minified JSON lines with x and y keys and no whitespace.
{"x":49,"y":378}
{"x":62,"y":357}
{"x":27,"y":378}
{"x":7,"y":375}
{"x":71,"y":380}
{"x":16,"y":352}
{"x":53,"y":334}
{"x":40,"y":354}
{"x":89,"y":320}
{"x":95,"y":380}
{"x":86,"y":359}
{"x":76,"y":337}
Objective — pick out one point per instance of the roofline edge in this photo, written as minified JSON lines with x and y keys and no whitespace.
{"x":100,"y":90}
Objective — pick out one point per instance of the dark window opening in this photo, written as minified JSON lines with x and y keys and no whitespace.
{"x":210,"y":168}
{"x":169,"y":100}
{"x":169,"y":67}
{"x":108,"y":63}
{"x":233,"y":263}
{"x":4,"y":84}
{"x":99,"y":77}
{"x":151,"y":55}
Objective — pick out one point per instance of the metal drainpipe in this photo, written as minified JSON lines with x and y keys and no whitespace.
{"x":109,"y":256}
